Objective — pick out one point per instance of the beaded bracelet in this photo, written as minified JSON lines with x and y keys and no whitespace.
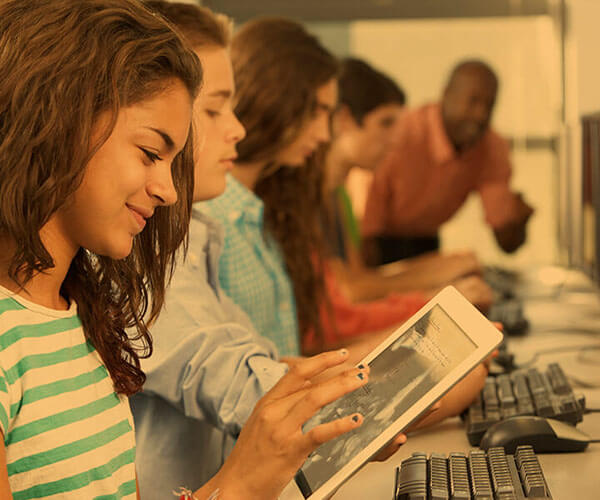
{"x":185,"y":494}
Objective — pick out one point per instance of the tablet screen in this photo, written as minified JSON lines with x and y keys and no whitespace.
{"x":400,"y":375}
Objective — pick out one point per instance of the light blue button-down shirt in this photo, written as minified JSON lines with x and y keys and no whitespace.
{"x":207,"y":371}
{"x":251,"y":269}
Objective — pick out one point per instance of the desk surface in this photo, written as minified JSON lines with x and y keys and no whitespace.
{"x":568,"y":315}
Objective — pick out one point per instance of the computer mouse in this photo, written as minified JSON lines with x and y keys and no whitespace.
{"x":546,"y":435}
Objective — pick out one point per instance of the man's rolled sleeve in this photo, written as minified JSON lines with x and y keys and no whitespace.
{"x":494,"y":185}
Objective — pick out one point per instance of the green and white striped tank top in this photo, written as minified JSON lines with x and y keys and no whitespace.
{"x":67,"y":434}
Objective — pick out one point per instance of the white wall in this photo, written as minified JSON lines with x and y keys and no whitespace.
{"x":583,"y":30}
{"x":523,"y":51}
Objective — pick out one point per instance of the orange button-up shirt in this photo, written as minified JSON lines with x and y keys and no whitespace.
{"x":423,"y":181}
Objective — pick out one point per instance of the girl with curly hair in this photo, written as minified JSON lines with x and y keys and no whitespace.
{"x":96,"y":186}
{"x":95,"y":189}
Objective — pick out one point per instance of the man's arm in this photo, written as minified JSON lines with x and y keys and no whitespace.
{"x":506,"y":211}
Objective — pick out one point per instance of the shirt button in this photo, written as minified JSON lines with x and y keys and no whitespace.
{"x":284,"y":306}
{"x":233,"y":215}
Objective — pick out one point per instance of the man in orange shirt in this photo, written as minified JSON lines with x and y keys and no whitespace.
{"x":444,"y":152}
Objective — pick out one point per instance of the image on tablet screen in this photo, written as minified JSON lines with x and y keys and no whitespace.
{"x":400,"y":375}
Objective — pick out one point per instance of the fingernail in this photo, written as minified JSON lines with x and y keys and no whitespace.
{"x":355,"y":418}
{"x":361,"y":366}
{"x":361,"y":376}
{"x":343,"y":352}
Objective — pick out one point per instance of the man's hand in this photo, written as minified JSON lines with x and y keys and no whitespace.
{"x":522,"y":209}
{"x":513,"y":234}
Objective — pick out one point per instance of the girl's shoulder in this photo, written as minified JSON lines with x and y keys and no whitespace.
{"x":56,"y":396}
{"x":21,"y":319}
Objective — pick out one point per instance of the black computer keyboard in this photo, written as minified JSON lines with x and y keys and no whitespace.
{"x":523,"y":392}
{"x":477,"y":476}
{"x":509,"y":312}
{"x":502,"y":281}
{"x":507,"y":308}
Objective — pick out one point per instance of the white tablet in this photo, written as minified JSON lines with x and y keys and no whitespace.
{"x":410,"y":370}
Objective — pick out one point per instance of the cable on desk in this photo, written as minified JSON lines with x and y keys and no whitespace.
{"x":569,"y":329}
{"x":591,"y":410}
{"x":555,"y":350}
{"x":583,"y":357}
{"x":577,"y":382}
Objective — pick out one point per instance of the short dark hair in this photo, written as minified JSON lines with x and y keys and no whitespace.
{"x":363,"y":88}
{"x":473,"y":65}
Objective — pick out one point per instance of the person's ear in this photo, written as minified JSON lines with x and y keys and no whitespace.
{"x":343,"y":121}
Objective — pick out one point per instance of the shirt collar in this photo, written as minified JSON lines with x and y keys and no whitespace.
{"x":214,"y":230}
{"x":442,"y":148}
{"x":242,"y":202}
{"x":207,"y":236}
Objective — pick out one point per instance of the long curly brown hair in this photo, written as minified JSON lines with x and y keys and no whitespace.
{"x":278,"y":69}
{"x":68,"y":61}
{"x":200,"y":26}
{"x":293,"y":204}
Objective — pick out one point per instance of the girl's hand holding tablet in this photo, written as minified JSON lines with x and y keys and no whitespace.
{"x":272,"y":445}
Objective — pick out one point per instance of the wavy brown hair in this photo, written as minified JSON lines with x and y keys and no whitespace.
{"x":70,"y":61}
{"x":201,"y":27}
{"x":278,"y":68}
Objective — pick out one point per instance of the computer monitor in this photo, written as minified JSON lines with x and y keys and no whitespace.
{"x":590,"y":196}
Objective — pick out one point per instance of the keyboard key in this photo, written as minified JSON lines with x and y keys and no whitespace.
{"x":568,"y":404}
{"x":505,"y":393}
{"x":481,"y":487}
{"x":521,"y":391}
{"x":531,"y":472}
{"x":438,"y":477}
{"x":500,"y":472}
{"x":490,"y":397}
{"x":459,"y":478}
{"x":543,"y":406}
{"x":413,"y":478}
{"x":536,"y":383}
{"x":558,"y":379}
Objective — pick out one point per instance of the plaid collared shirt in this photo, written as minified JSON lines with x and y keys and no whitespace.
{"x":251,"y":270}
